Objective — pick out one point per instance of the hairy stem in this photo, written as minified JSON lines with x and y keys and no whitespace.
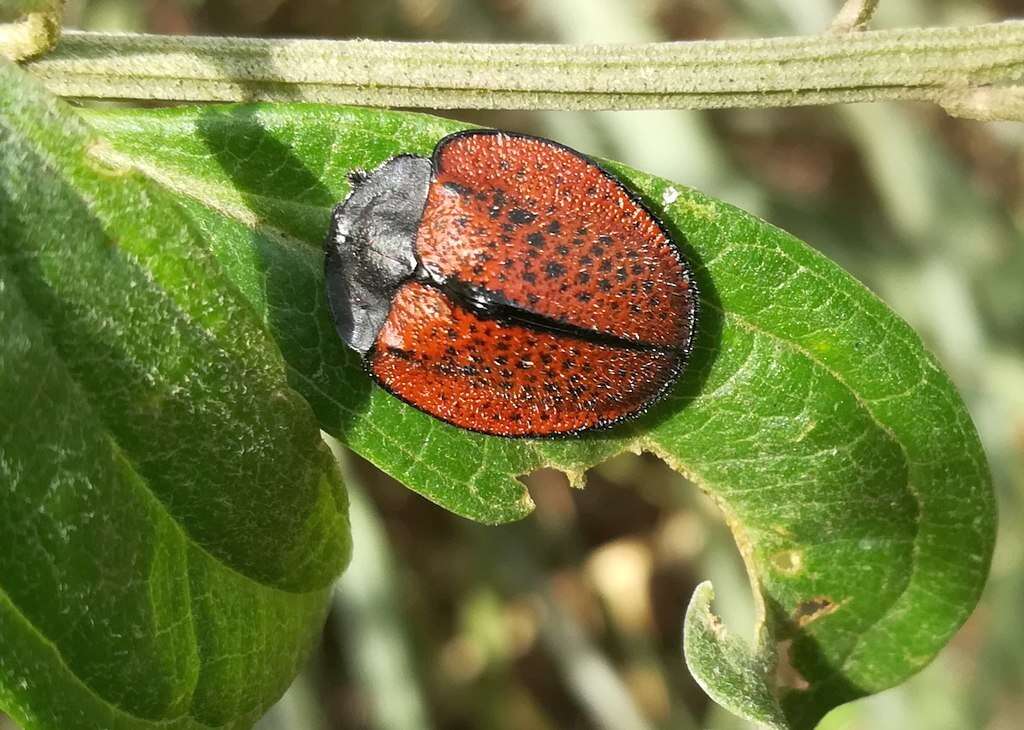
{"x":36,"y":32}
{"x":854,"y":15}
{"x":921,"y":63}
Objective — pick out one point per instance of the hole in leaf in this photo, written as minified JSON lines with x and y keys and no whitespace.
{"x":812,"y":609}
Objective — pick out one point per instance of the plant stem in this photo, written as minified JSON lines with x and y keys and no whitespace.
{"x":34,"y":34}
{"x":854,"y":15}
{"x":919,"y":63}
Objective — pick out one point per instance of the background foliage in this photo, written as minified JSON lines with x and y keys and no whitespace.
{"x":573,"y":615}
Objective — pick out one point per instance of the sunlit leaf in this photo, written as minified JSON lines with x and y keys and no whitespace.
{"x":837,"y":448}
{"x":170,"y":520}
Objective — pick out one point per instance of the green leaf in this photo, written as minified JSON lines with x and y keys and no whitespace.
{"x":838,"y":450}
{"x":726,"y":668}
{"x":170,"y":520}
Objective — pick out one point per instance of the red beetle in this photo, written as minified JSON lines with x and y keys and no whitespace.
{"x":509,"y":285}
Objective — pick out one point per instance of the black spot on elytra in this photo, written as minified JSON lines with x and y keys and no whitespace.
{"x":582,"y":277}
{"x":606,"y":266}
{"x":520,"y":216}
{"x":457,"y":189}
{"x":536,"y":239}
{"x":648,"y":285}
{"x":400,"y":353}
{"x":562,"y":250}
{"x":584,"y":296}
{"x":605,"y":239}
{"x":498,"y":202}
{"x":532,"y":298}
{"x":529,"y":277}
{"x":597,"y":250}
{"x":620,"y":273}
{"x":554,"y":227}
{"x":604,"y":285}
{"x":637,"y":269}
{"x":554,"y":270}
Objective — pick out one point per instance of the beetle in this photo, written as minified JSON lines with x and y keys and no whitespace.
{"x":509,"y":285}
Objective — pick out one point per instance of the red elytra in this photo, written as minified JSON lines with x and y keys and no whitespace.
{"x":510,"y":285}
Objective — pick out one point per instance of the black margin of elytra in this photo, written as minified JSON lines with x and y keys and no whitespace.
{"x":683,"y":352}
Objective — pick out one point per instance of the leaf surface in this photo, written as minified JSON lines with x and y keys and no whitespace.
{"x":839,"y":451}
{"x":170,"y":520}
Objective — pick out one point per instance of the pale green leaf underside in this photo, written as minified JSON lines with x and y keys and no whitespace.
{"x":170,"y":520}
{"x":838,"y":449}
{"x":725,"y":667}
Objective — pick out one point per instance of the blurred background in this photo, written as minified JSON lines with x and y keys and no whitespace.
{"x":571,"y":618}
